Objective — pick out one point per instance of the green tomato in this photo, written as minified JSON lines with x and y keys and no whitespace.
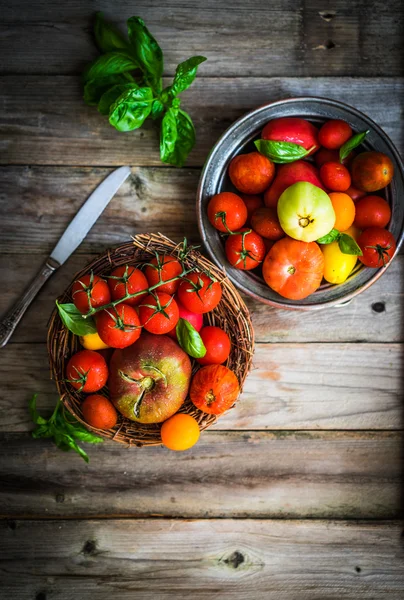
{"x":305,"y":212}
{"x":337,"y":265}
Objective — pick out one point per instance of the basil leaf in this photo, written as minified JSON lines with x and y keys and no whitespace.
{"x":131,"y":109}
{"x":332,"y":236}
{"x":147,"y":52}
{"x":74,"y":320}
{"x":157,"y":109}
{"x":185,"y":74}
{"x":111,"y":63}
{"x":281,"y":152}
{"x":108,"y":38}
{"x":189,"y":339}
{"x":95,"y":88}
{"x":352,"y":143}
{"x":35,"y":416}
{"x":347,"y":245}
{"x":112,"y":94}
{"x":177,"y":137}
{"x":77,"y":431}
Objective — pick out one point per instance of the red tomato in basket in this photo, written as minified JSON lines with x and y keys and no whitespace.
{"x":164,"y":268}
{"x":118,"y":327}
{"x":159,"y":313}
{"x":126,"y":279}
{"x":87,"y":371}
{"x":217,"y":344}
{"x":199,"y":293}
{"x":90,"y":291}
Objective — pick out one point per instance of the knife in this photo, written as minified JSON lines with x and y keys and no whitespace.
{"x":70,"y":240}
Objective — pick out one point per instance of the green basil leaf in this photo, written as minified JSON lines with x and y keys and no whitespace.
{"x":177,"y":137}
{"x":108,"y":38}
{"x":347,"y":245}
{"x":94,"y":89}
{"x":184,"y":75}
{"x":147,"y":52}
{"x":111,"y":63}
{"x":112,"y":95}
{"x":131,"y":109}
{"x":77,"y":430}
{"x":157,"y":109}
{"x":74,"y":320}
{"x":42,"y":431}
{"x":35,"y":416}
{"x":189,"y":339}
{"x":281,"y":152}
{"x":352,"y":143}
{"x":330,"y":237}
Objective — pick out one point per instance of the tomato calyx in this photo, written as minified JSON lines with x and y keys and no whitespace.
{"x":222,"y":215}
{"x":158,"y":308}
{"x":123,"y":278}
{"x":244,"y":253}
{"x":382,"y":251}
{"x":87,"y":289}
{"x":120,"y":322}
{"x":210,"y":397}
{"x":81,"y":378}
{"x":305,"y":221}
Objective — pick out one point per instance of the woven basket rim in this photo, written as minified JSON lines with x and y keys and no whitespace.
{"x":231,"y":314}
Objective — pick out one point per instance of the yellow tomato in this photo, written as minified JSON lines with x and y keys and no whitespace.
{"x":92,"y":341}
{"x":337,"y":265}
{"x":180,"y":432}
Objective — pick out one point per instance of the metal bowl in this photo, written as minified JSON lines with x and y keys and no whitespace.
{"x":239,"y":138}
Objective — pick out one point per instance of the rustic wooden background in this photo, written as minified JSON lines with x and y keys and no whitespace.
{"x":296,"y":493}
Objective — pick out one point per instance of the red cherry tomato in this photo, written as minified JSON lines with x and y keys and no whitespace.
{"x":227,"y":211}
{"x":335,"y":176}
{"x":378,"y":246}
{"x":372,"y":211}
{"x":127,"y":280}
{"x":195,"y":319}
{"x":214,"y":389}
{"x":159,"y":313}
{"x":118,"y":327}
{"x":333,"y":134}
{"x":199,"y":293}
{"x":163,"y":268}
{"x":325,"y":155}
{"x":87,"y":371}
{"x":245,"y":251}
{"x":217,"y":344}
{"x":90,"y":291}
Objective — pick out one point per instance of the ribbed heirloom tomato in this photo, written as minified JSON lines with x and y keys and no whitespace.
{"x":227,"y":211}
{"x":245,"y":250}
{"x":90,"y":291}
{"x":87,"y":371}
{"x":214,"y":389}
{"x":159,"y":313}
{"x":199,"y":293}
{"x":118,"y":327}
{"x":294,"y":269}
{"x":163,"y":268}
{"x":125,"y":280}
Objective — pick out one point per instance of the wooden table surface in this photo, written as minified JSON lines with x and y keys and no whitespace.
{"x":294,"y":494}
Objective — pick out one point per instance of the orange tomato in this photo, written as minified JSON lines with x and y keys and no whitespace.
{"x":180,"y":432}
{"x":344,"y":208}
{"x":214,"y":389}
{"x":99,"y":412}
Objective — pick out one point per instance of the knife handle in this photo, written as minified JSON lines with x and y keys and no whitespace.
{"x":14,"y":316}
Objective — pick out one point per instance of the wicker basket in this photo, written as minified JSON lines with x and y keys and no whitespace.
{"x":231,"y":315}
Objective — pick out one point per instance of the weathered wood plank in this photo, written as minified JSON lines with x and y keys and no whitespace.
{"x":358,"y":321}
{"x":45,"y":121}
{"x":291,"y":386}
{"x":273,"y":38}
{"x":227,"y":474}
{"x":216,"y":559}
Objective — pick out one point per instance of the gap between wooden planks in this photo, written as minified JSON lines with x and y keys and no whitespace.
{"x":215,"y":560}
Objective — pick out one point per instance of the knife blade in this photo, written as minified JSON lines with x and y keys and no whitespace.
{"x":70,"y":240}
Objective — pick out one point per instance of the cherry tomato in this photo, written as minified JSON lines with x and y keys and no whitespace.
{"x":265,"y":222}
{"x":252,"y":203}
{"x":294,"y":269}
{"x":355,"y":193}
{"x":199,"y":293}
{"x":195,"y":319}
{"x":159,"y":313}
{"x":335,"y":176}
{"x":87,"y":371}
{"x":245,"y":250}
{"x":334,"y":133}
{"x":99,"y":412}
{"x":90,"y":291}
{"x":127,"y":280}
{"x":118,"y":327}
{"x":217,"y":344}
{"x":180,"y":432}
{"x":344,"y":209}
{"x":378,"y":246}
{"x":164,"y":267}
{"x":227,"y":212}
{"x":214,"y":389}
{"x":372,"y":211}
{"x":251,"y":173}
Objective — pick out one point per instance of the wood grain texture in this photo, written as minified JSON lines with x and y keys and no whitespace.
{"x":297,"y":37}
{"x":227,"y":474}
{"x":291,"y":386}
{"x":237,"y":559}
{"x":45,"y":121}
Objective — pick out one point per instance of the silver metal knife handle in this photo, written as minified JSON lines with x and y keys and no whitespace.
{"x":14,"y":316}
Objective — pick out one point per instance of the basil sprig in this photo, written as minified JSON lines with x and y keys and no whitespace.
{"x":74,"y":320}
{"x":352,"y":143}
{"x":281,"y":152}
{"x":189,"y":339}
{"x":65,"y":432}
{"x":346,"y":243}
{"x":126,"y":84}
